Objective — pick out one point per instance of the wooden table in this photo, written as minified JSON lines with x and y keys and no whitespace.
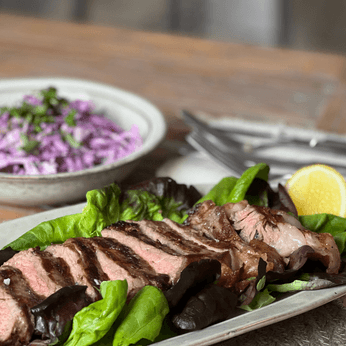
{"x":213,"y":79}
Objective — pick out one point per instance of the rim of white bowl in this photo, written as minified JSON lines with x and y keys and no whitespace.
{"x":154,"y":117}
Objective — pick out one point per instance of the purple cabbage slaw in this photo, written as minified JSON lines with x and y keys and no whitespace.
{"x":74,"y":140}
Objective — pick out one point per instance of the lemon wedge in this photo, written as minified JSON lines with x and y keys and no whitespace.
{"x":318,"y":189}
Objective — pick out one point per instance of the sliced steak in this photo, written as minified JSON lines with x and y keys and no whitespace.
{"x":161,"y":232}
{"x":232,"y":208}
{"x":119,"y":262}
{"x":269,"y":226}
{"x":211,"y":220}
{"x":285,"y":233}
{"x":160,"y":257}
{"x":92,"y":266}
{"x":270,"y":255}
{"x":326,"y":250}
{"x":198,"y":237}
{"x":44,"y":273}
{"x":16,"y":299}
{"x":79,"y":266}
{"x":207,"y":219}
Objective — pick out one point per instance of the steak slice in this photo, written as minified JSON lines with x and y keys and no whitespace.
{"x":326,"y":250}
{"x":169,"y":233}
{"x":269,"y":226}
{"x":198,"y":237}
{"x":210,"y":221}
{"x":79,"y":265}
{"x":44,"y":273}
{"x":160,"y":257}
{"x":16,"y":299}
{"x":285,"y":233}
{"x":119,"y":262}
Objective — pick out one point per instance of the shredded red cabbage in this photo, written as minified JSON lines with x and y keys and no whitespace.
{"x":60,"y":137}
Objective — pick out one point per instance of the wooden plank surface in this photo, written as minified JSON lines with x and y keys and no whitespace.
{"x":214,"y":79}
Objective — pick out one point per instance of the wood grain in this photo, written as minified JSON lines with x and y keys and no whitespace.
{"x":212,"y":78}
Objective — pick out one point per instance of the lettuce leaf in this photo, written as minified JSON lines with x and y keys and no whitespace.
{"x":54,"y":231}
{"x":92,"y":322}
{"x":232,"y":189}
{"x":327,"y":223}
{"x":140,"y":205}
{"x":142,"y":318}
{"x":261,"y":299}
{"x":261,"y":170}
{"x":220,"y":193}
{"x":103,"y":208}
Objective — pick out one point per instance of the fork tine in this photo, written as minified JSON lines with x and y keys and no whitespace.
{"x":240,"y":162}
{"x":203,"y":128}
{"x":228,"y":160}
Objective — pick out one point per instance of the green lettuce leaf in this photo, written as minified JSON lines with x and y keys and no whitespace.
{"x":102,"y":209}
{"x":140,"y":205}
{"x":142,"y":318}
{"x":261,"y":299}
{"x":54,"y":231}
{"x":220,"y":193}
{"x":232,"y":189}
{"x":261,"y":170}
{"x":93,"y":322}
{"x":327,"y":223}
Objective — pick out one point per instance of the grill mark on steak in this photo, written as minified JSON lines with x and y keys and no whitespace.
{"x":34,"y":267}
{"x":70,"y":254}
{"x":138,"y":271}
{"x":161,"y":258}
{"x":133,"y":229}
{"x":56,"y":268}
{"x":89,"y":260}
{"x":16,"y":291}
{"x":198,"y":237}
{"x":161,"y":232}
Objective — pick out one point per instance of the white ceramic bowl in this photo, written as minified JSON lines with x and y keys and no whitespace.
{"x":122,"y":107}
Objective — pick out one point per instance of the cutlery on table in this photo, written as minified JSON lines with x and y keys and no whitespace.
{"x":235,"y":155}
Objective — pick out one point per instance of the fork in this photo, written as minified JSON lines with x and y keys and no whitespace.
{"x":235,"y":162}
{"x":280,"y":139}
{"x":230,"y":154}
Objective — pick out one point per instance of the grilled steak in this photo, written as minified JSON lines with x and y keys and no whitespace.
{"x":16,"y":299}
{"x":209,"y":221}
{"x":155,"y":253}
{"x":34,"y":266}
{"x":283,"y":232}
{"x":160,"y":257}
{"x":32,"y":275}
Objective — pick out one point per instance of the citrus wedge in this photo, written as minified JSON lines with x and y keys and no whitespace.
{"x":318,"y":189}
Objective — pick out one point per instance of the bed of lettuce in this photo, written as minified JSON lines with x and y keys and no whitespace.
{"x":141,"y":320}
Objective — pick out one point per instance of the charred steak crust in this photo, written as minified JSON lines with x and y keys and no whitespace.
{"x":18,"y":298}
{"x":283,"y":232}
{"x":133,"y":230}
{"x":160,"y":257}
{"x":89,"y":260}
{"x":57,"y":268}
{"x":130,"y":261}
